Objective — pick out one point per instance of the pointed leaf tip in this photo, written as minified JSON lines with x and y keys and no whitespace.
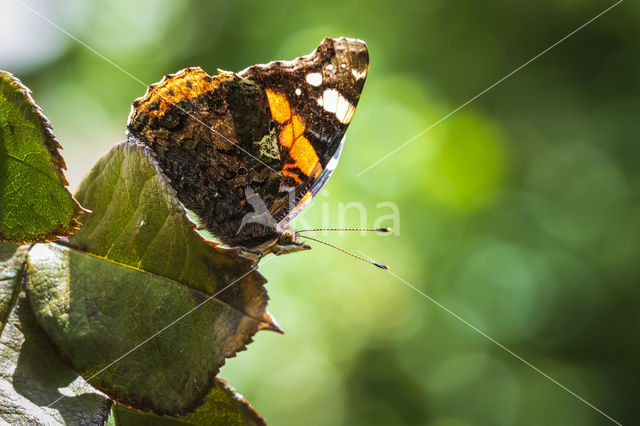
{"x":35,"y":205}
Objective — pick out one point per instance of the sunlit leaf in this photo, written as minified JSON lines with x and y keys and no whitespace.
{"x":35,"y":204}
{"x":138,"y":267}
{"x":222,"y":406}
{"x":32,"y":377}
{"x":136,"y":220}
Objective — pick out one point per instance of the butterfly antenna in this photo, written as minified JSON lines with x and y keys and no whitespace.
{"x":345,"y":229}
{"x":379,"y":265}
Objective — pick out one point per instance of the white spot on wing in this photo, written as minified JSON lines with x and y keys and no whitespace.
{"x":298,"y":91}
{"x":342,"y":109}
{"x":314,"y":79}
{"x":332,"y":101}
{"x":359,"y":74}
{"x":330,"y":67}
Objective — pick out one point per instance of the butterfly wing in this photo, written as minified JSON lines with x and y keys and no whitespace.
{"x":244,"y":151}
{"x":312,"y":100}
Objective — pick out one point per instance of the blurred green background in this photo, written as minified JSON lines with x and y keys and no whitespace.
{"x":520,"y":212}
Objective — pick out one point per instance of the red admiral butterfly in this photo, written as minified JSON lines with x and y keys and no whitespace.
{"x":247,"y":151}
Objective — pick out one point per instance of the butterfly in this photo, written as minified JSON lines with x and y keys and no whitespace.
{"x":247,"y":151}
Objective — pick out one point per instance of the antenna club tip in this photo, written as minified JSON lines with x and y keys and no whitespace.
{"x":381,"y":266}
{"x":384,"y":230}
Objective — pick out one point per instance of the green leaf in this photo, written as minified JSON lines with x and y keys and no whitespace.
{"x":32,"y":377}
{"x":12,"y":259}
{"x":96,"y":311}
{"x":138,"y":267}
{"x":222,"y":406}
{"x":137,"y":220}
{"x":35,"y":205}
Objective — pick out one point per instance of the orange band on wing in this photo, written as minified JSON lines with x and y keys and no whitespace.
{"x":291,"y":136}
{"x":304,"y":155}
{"x":187,"y":84}
{"x":286,"y":136}
{"x":298,"y":126}
{"x":280,"y":110}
